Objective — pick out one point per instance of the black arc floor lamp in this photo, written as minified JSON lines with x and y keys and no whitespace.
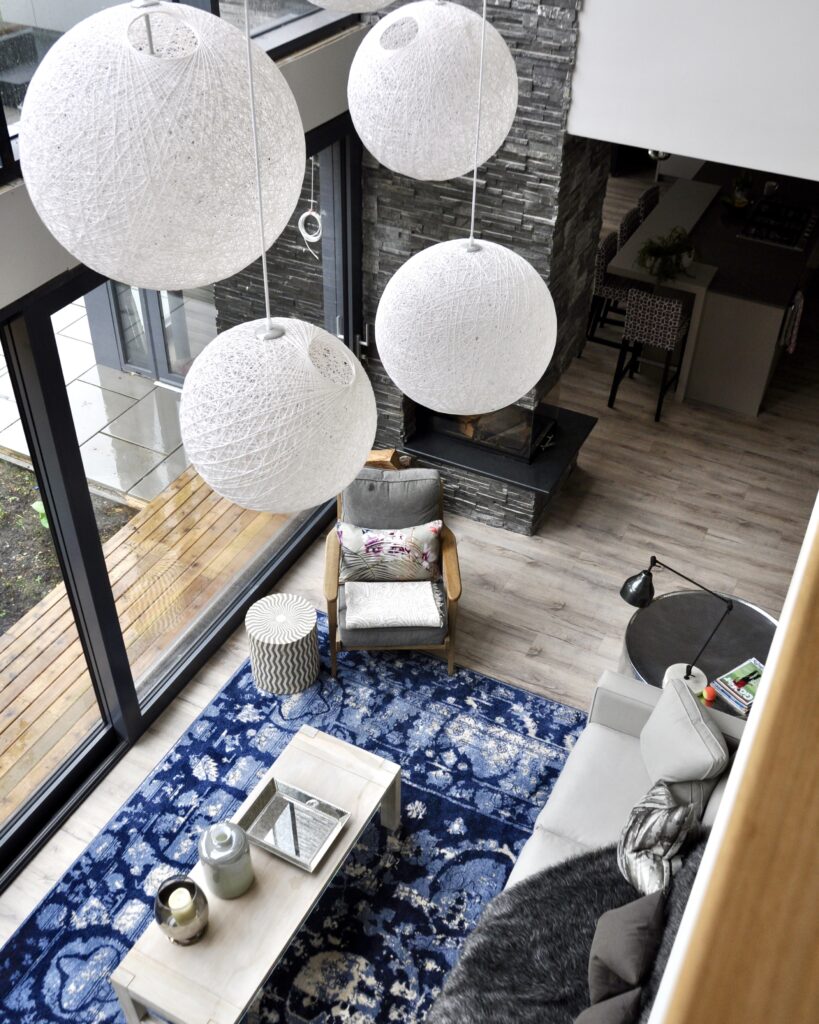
{"x":638,"y":591}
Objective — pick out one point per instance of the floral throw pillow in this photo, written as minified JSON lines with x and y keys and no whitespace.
{"x":411,"y":553}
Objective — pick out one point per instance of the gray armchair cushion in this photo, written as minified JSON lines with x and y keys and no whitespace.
{"x":389,"y":499}
{"x":393,"y":636}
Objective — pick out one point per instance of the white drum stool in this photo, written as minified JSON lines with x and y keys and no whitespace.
{"x":283,"y":639}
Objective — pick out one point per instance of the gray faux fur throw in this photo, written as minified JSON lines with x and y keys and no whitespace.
{"x":527,"y":960}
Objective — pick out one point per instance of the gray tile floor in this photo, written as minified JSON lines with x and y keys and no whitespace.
{"x":127,"y":426}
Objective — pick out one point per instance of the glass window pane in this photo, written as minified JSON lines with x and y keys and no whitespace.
{"x":189,"y":321}
{"x":47,"y":703}
{"x":28,"y":28}
{"x":264,"y":14}
{"x":135,"y":344}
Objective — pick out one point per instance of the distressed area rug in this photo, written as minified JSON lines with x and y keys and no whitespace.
{"x":478,"y":760}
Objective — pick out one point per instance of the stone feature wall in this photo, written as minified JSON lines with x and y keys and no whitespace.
{"x":296,"y":277}
{"x":541,"y":195}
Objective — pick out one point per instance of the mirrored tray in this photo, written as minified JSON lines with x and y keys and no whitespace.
{"x":292,"y":824}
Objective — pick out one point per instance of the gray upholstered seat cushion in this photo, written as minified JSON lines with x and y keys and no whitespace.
{"x":389,"y":499}
{"x":594,"y":794}
{"x":393,"y":636}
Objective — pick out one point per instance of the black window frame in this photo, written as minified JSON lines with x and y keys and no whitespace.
{"x":29,"y":346}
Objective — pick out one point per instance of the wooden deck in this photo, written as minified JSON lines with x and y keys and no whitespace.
{"x":167,"y":567}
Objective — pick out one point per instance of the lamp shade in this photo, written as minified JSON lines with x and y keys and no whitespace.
{"x":141,"y":164}
{"x":638,"y":590}
{"x":278,"y":424}
{"x":466,"y":328}
{"x":413,"y":87}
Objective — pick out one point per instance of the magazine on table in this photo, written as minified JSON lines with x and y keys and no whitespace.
{"x":739,"y":686}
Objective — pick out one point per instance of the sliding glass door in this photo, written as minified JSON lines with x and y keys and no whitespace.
{"x":145,"y":569}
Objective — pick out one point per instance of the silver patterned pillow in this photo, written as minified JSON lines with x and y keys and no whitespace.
{"x":653,"y":836}
{"x":411,"y":553}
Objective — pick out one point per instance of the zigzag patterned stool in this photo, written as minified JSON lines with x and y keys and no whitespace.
{"x":283,"y":639}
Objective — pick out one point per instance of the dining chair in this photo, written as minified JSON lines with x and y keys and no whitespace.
{"x":608,"y":293}
{"x":658,"y":322}
{"x":647,"y":201}
{"x":628,"y":225}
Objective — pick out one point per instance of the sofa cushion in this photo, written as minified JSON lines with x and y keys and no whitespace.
{"x":656,"y":830}
{"x":620,"y":1009}
{"x":411,"y":553}
{"x":712,"y":806}
{"x":624,"y":944}
{"x":374,"y":605}
{"x":543,"y":849}
{"x":679,"y":742}
{"x":388,"y":499}
{"x":603,"y":779}
{"x":392,"y":636}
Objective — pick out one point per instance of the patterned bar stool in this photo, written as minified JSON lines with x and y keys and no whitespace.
{"x":628,"y":225}
{"x":606,"y":292}
{"x":654,"y":321}
{"x":647,"y":201}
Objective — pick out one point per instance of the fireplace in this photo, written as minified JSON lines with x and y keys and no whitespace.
{"x":514,"y":430}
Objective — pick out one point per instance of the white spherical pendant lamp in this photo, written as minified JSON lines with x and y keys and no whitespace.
{"x":136,"y":146}
{"x":466,"y":327}
{"x":278,"y":420}
{"x":412,"y":87}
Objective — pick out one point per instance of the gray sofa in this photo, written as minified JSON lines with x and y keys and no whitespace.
{"x":604,"y":777}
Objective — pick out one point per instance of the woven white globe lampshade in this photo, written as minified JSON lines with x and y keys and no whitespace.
{"x":277,"y":424}
{"x":141,"y":164}
{"x":412,"y":88}
{"x":465,"y":330}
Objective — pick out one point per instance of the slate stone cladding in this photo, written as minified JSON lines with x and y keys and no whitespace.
{"x":541,"y":194}
{"x":296,"y":281}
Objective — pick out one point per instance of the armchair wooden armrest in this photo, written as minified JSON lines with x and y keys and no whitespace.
{"x":332,"y":562}
{"x":449,"y":561}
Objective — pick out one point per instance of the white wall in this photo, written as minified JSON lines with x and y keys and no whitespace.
{"x":735,"y":81}
{"x":30,"y":253}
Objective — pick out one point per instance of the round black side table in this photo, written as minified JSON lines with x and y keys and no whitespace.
{"x":674,"y":627}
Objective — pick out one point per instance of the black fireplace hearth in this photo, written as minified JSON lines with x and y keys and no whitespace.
{"x":514,"y":431}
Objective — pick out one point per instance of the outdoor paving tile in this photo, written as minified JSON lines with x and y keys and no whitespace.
{"x":8,"y":412}
{"x":93,"y":408}
{"x":152,"y":422}
{"x":79,"y":330}
{"x":66,"y":316}
{"x":76,"y":357}
{"x":116,"y":464}
{"x":14,"y":439}
{"x":130,"y":384}
{"x":6,"y":390}
{"x":163,"y":476}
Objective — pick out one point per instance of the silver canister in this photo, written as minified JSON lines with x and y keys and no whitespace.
{"x":225,"y":856}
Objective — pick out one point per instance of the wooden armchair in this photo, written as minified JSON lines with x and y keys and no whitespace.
{"x":389,"y":498}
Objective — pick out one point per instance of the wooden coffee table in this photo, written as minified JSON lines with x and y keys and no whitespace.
{"x":216,"y":980}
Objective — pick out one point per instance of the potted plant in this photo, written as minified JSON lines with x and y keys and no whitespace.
{"x":668,"y":255}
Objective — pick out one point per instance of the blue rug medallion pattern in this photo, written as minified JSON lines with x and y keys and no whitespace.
{"x":478,"y":760}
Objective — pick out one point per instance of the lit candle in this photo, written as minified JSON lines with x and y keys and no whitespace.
{"x":180,"y":904}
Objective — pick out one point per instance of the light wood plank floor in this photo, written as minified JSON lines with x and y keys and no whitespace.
{"x":186,"y":548}
{"x":724,"y":499}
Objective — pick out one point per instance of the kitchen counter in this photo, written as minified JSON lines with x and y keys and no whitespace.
{"x":746,"y":268}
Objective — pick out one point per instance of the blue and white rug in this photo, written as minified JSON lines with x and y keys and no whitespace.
{"x":478,"y":759}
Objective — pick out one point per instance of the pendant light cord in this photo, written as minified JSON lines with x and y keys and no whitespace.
{"x":252,"y":93}
{"x":477,"y":132}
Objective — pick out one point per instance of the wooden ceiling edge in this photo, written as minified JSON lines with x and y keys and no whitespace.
{"x":748,"y":944}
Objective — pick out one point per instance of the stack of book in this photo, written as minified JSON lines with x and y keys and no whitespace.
{"x":738,"y":687}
